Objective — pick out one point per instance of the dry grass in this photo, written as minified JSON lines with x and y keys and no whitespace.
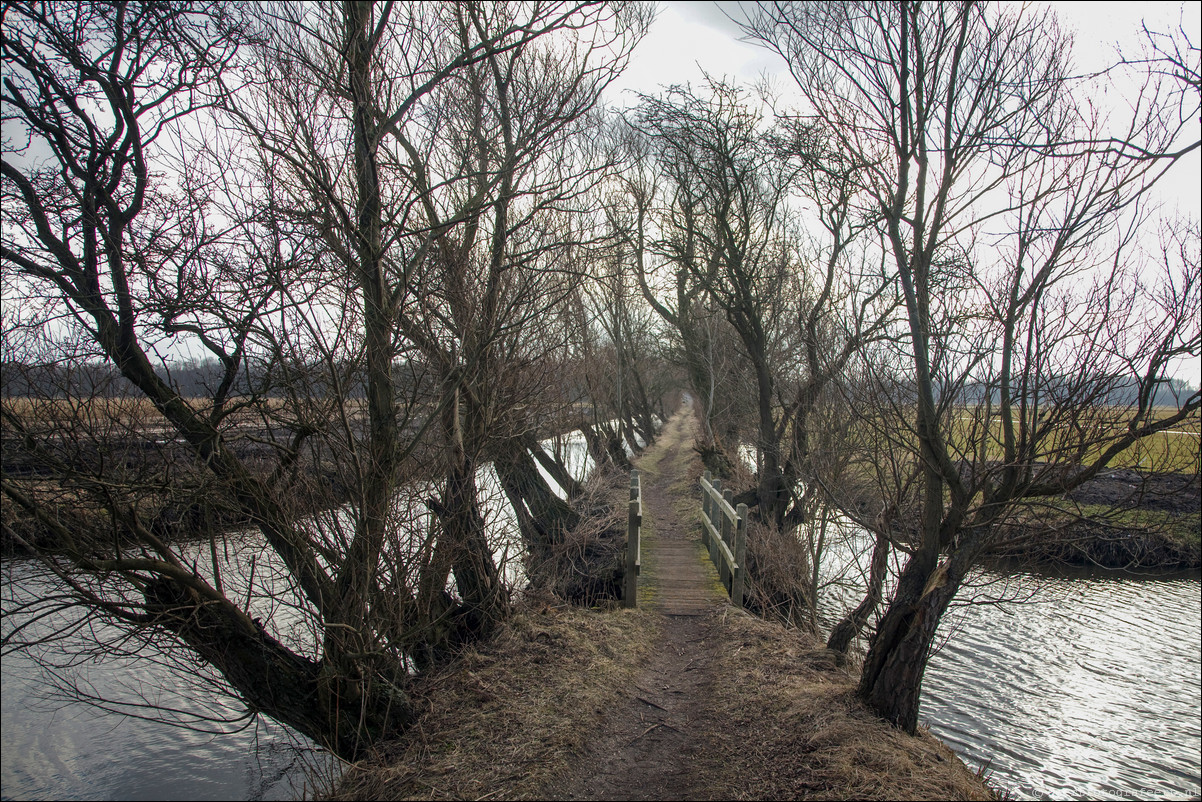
{"x":778,"y":565}
{"x":511,"y":714}
{"x":1186,"y":528}
{"x":586,"y":567}
{"x":1177,"y":450}
{"x":136,"y":413}
{"x":765,"y":711}
{"x":1173,"y":451}
{"x":512,"y":717}
{"x":795,"y":726}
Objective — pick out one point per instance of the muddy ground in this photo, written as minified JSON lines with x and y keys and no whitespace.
{"x":1176,"y":493}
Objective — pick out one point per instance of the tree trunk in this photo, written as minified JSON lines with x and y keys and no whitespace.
{"x":627,"y":430}
{"x":846,"y":630}
{"x":485,"y":601}
{"x":357,"y":579}
{"x":606,"y":447}
{"x":698,"y":358}
{"x":643,"y":413}
{"x":554,"y":467}
{"x":346,"y":714}
{"x":596,"y":448}
{"x":550,"y":517}
{"x":616,"y":450}
{"x":773,"y":493}
{"x":891,"y":680}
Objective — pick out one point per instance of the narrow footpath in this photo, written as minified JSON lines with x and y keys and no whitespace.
{"x":683,"y":698}
{"x":729,"y":706}
{"x":659,"y":744}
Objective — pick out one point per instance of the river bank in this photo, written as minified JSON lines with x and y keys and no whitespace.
{"x":200,"y":505}
{"x":1120,"y":520}
{"x":1087,"y":689}
{"x":569,"y":703}
{"x":1123,"y":519}
{"x":526,"y":715}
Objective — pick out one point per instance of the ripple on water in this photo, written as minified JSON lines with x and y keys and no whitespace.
{"x":1090,"y":690}
{"x":53,"y":750}
{"x":77,"y":752}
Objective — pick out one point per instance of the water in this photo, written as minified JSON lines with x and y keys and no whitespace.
{"x":65,"y":749}
{"x":55,"y":747}
{"x":1091,"y":688}
{"x":1084,"y":687}
{"x":1087,"y":685}
{"x":81,"y":753}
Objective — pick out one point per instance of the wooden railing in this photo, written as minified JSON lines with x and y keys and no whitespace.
{"x":634,"y":554}
{"x":724,"y":533}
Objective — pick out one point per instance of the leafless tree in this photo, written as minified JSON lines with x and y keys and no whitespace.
{"x":738,"y":191}
{"x":623,"y":340}
{"x":355,"y":213}
{"x":1033,"y":349}
{"x":631,"y":207}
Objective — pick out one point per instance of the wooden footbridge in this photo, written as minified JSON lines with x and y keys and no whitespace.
{"x":686,"y":571}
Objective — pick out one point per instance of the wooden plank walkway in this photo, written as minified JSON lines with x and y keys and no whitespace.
{"x":677,"y":576}
{"x":686,"y":581}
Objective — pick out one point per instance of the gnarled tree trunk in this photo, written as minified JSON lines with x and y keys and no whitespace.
{"x":345,"y":713}
{"x":891,"y":679}
{"x":554,"y":467}
{"x":550,"y":517}
{"x":846,"y":630}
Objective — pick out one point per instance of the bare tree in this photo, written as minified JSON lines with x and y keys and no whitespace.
{"x":1009,"y":243}
{"x":362,"y":281}
{"x":723,"y":227}
{"x":628,"y":389}
{"x":731,"y":222}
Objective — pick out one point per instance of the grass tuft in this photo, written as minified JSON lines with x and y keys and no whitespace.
{"x":509,"y":715}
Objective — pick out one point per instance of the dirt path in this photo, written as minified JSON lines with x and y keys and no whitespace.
{"x":657,"y":745}
{"x":730,"y":706}
{"x":684,"y":698}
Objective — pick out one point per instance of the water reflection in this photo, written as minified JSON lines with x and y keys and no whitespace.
{"x":1090,"y":689}
{"x":1062,"y":687}
{"x":57,"y":748}
{"x":64,"y":749}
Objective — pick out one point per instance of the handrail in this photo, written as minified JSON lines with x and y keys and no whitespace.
{"x":726,"y":538}
{"x":634,"y":547}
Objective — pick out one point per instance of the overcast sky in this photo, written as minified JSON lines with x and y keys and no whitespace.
{"x":689,"y":38}
{"x":692,"y":38}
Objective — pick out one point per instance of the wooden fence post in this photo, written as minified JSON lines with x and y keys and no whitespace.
{"x":634,"y":523}
{"x":715,"y":514}
{"x":724,"y":571}
{"x":705,"y":507}
{"x":740,"y":549}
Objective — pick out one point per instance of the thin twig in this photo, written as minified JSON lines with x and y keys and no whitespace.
{"x":644,"y":732}
{"x":649,"y":702}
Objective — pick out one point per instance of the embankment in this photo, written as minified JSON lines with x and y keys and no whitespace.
{"x":605,"y":703}
{"x":1123,"y":519}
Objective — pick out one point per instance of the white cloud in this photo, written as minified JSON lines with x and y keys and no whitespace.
{"x":686,"y":41}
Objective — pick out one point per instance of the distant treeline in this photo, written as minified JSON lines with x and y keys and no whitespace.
{"x":197,"y":380}
{"x":411,"y":379}
{"x":1109,"y":390}
{"x":201,"y":379}
{"x":1079,"y":390}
